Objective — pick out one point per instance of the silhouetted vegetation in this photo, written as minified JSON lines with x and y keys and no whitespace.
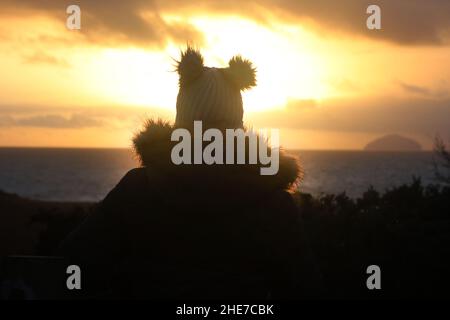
{"x":405,"y":231}
{"x":442,"y":161}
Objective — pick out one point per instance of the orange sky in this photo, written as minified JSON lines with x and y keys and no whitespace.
{"x":323,"y":79}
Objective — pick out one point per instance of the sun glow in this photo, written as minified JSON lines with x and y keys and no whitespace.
{"x":134,"y":77}
{"x":286,"y":67}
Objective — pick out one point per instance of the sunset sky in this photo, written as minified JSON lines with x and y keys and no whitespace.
{"x":324,"y":79}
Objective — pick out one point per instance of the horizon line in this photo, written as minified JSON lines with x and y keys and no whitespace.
{"x":130,"y":148}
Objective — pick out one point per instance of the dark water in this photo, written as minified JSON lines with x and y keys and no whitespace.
{"x":354,"y":171}
{"x":88,"y":174}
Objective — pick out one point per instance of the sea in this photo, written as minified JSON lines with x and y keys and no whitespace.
{"x":87,"y":175}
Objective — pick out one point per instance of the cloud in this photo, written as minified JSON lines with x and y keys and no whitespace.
{"x":423,"y":91}
{"x":415,"y":89}
{"x":407,"y":22}
{"x":44,"y":58}
{"x":6,"y":121}
{"x":418,"y":116}
{"x":119,"y":117}
{"x":112,"y":22}
{"x":75,"y":121}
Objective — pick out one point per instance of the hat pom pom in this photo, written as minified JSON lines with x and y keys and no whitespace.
{"x":190,"y":66}
{"x":242,"y":72}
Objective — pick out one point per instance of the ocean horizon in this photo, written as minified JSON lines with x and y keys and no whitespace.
{"x":88,"y":174}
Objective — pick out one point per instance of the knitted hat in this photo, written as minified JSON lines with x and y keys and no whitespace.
{"x":212,"y":95}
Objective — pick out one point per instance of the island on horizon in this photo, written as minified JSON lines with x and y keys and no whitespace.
{"x":393,"y":142}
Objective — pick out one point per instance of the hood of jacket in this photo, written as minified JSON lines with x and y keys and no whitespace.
{"x":153,"y":148}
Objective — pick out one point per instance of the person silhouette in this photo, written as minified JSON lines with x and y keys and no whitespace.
{"x":195,"y":231}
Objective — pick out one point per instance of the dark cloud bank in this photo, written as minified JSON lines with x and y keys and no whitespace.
{"x":407,"y":22}
{"x":419,"y":116}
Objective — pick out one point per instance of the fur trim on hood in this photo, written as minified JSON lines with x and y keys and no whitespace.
{"x":153,"y":148}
